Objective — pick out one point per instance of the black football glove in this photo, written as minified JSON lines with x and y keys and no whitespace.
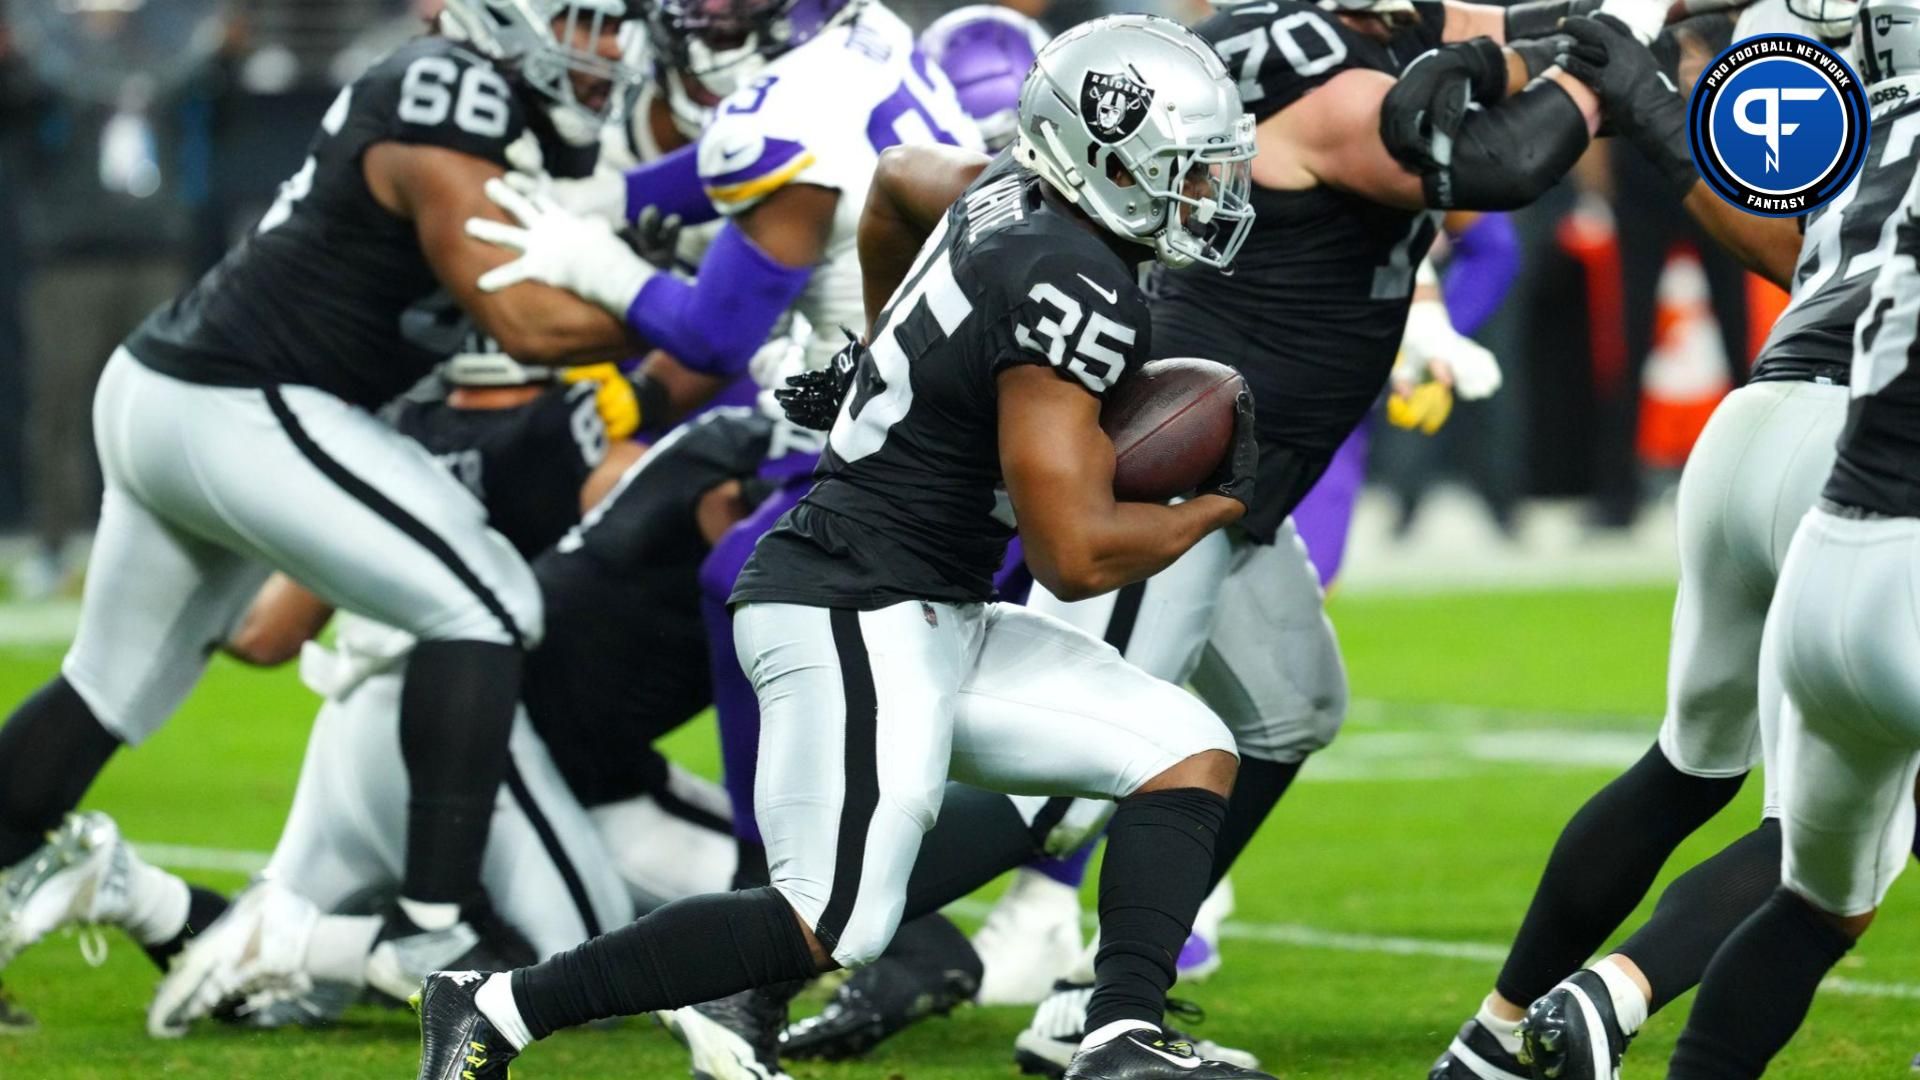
{"x":1234,"y":477}
{"x":812,"y":399}
{"x":656,"y":237}
{"x":1641,"y":101}
{"x":1428,"y":103}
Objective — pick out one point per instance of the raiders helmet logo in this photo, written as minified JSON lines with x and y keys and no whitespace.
{"x":1113,"y":105}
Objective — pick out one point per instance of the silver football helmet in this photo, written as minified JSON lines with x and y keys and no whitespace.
{"x":1888,"y":45}
{"x":1831,"y":21}
{"x":540,"y":38}
{"x":1134,"y":119}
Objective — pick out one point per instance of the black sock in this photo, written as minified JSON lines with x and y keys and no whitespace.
{"x":456,"y":710}
{"x":1757,"y":990}
{"x":979,"y":836}
{"x":1700,"y":909}
{"x":684,"y":953}
{"x":51,"y":749}
{"x":1602,"y":866}
{"x":1159,"y":854}
{"x":1256,"y":790}
{"x":203,"y":906}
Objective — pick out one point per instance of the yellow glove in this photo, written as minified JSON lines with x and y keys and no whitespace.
{"x":1424,"y":408}
{"x":619,"y":407}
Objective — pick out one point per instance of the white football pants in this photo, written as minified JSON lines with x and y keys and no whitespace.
{"x":208,"y":488}
{"x":1843,"y":640}
{"x":1756,"y":470}
{"x":866,"y":715}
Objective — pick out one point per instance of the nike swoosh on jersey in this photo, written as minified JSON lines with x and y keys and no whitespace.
{"x":1111,"y":296}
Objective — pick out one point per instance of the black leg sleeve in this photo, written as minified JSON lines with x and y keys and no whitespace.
{"x":456,"y":710}
{"x":1757,"y":990}
{"x":1256,"y":791}
{"x":1159,"y":857}
{"x":1700,"y":909}
{"x":689,"y":951}
{"x":979,"y":836}
{"x":1603,"y":865}
{"x":51,"y":749}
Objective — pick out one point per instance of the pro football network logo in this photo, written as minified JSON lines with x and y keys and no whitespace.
{"x":1114,"y":105}
{"x":1779,"y":124}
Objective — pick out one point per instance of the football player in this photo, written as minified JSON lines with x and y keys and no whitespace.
{"x":867,"y":606}
{"x":588,"y":804}
{"x":235,"y":437}
{"x":1754,"y":473}
{"x":791,"y":102}
{"x":1838,"y":666}
{"x":986,"y":51}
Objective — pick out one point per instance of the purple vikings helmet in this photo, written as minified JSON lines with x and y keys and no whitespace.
{"x":710,"y":48}
{"x":986,"y":50}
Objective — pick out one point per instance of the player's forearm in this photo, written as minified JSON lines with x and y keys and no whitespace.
{"x":1767,"y":246}
{"x":539,"y":324}
{"x":912,"y":188}
{"x":671,"y":184}
{"x":1131,"y":543}
{"x":715,"y":323}
{"x":1509,"y":154}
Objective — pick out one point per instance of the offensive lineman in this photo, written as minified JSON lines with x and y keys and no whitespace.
{"x":880,"y":667}
{"x":235,"y":437}
{"x":1839,"y":654}
{"x":1754,"y":473}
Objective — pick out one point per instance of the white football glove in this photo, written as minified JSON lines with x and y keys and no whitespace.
{"x":579,"y":254}
{"x":1433,"y":351}
{"x":602,"y":195}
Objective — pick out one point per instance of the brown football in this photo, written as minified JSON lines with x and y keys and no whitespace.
{"x":1171,"y":424}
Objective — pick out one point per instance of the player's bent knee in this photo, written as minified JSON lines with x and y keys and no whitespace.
{"x":1210,"y":770}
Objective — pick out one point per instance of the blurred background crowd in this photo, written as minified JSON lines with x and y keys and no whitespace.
{"x":139,"y":137}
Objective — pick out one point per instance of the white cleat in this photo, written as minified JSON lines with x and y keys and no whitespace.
{"x":252,"y":955}
{"x":1031,"y":940}
{"x":80,"y":877}
{"x":720,"y":1039}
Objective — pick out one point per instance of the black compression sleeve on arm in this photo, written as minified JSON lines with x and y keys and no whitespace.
{"x":1507,"y":155}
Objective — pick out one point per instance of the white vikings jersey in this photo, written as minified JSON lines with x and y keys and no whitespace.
{"x":821,"y":115}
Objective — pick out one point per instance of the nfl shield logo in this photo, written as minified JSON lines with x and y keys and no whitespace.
{"x":1113,"y":105}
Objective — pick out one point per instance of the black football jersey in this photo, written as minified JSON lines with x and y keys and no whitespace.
{"x":525,"y":464}
{"x":1313,"y":311}
{"x":331,"y":290}
{"x":625,"y":654}
{"x":1846,"y":241}
{"x":1878,"y":467}
{"x":906,"y":506}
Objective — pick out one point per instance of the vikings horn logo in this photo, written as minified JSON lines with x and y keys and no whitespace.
{"x":1113,"y":104}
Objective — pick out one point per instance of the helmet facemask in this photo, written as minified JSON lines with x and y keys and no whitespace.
{"x":552,"y":43}
{"x":712,"y":48}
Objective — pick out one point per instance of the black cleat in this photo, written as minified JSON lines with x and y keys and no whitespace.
{"x":929,"y":970}
{"x":1047,"y":1045}
{"x":1476,"y":1055}
{"x":1572,"y":1033}
{"x":735,"y":1037}
{"x":457,"y":1042}
{"x":1144,"y":1054}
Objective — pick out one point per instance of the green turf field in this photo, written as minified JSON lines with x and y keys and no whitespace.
{"x":1481,"y":722}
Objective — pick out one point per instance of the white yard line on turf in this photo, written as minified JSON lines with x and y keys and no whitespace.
{"x":188,"y":857}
